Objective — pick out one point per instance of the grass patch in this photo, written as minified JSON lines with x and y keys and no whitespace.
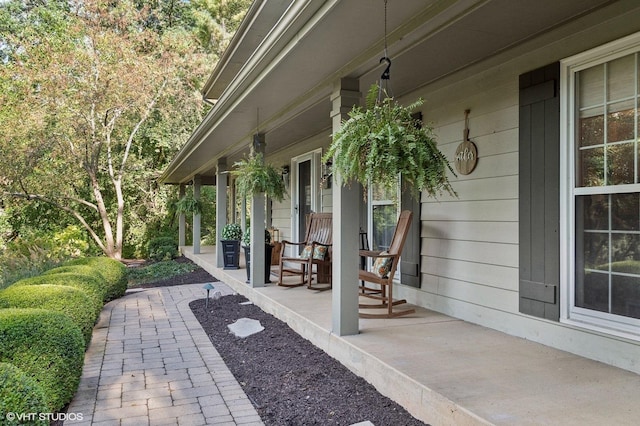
{"x":158,"y":271}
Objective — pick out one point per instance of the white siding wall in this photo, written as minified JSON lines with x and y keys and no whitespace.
{"x":469,"y":245}
{"x":281,"y":211}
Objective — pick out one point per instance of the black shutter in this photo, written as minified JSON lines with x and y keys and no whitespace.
{"x":539,"y":202}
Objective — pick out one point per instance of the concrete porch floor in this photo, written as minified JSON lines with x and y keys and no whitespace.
{"x":450,"y":372}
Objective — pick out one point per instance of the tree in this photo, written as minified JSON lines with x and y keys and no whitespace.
{"x":95,"y":97}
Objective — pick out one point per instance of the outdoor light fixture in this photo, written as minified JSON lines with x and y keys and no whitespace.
{"x":285,"y":176}
{"x":208,"y":287}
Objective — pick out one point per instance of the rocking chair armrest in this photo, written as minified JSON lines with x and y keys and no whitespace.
{"x":369,"y":253}
{"x":317,"y":243}
{"x":285,"y":242}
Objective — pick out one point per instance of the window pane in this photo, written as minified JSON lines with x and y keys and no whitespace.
{"x":620,"y":164}
{"x":620,"y":78}
{"x":595,"y":211}
{"x":384,"y":224}
{"x":625,"y":252}
{"x":625,"y":296}
{"x":591,"y":87}
{"x":591,"y":167}
{"x":625,"y":212}
{"x":608,"y":253}
{"x":596,"y":251}
{"x":595,"y":292}
{"x":620,"y":121}
{"x":591,"y":127}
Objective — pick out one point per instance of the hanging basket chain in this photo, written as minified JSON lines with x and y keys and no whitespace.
{"x":384,"y":87}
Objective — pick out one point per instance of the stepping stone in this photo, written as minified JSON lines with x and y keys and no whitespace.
{"x":245,"y":327}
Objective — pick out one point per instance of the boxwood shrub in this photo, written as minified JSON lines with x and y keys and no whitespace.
{"x":93,"y":287}
{"x":48,"y":347}
{"x":20,"y":393}
{"x":76,"y":269}
{"x":163,"y":248}
{"x":70,"y":301}
{"x":113,"y":272}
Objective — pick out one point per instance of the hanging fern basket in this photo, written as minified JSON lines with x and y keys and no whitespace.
{"x":378,"y":143}
{"x":253,"y":177}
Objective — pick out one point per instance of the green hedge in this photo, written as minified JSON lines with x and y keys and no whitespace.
{"x":46,"y":346}
{"x":20,"y":393}
{"x":113,"y":272}
{"x":163,"y":248}
{"x":68,"y":300}
{"x":76,"y":269}
{"x":93,"y":287}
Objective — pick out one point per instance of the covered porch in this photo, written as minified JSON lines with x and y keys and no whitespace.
{"x":447,"y":371}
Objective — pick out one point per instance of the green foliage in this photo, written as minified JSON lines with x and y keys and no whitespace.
{"x":113,"y":272}
{"x":188,"y":204}
{"x":253,"y":177}
{"x":87,"y":150}
{"x":246,"y":237}
{"x":70,"y":301}
{"x":20,"y":393}
{"x":48,"y":347}
{"x":94,"y":288}
{"x":163,"y":248}
{"x":156,"y":271}
{"x":380,"y":142}
{"x":231,"y":231}
{"x":32,"y":253}
{"x":216,"y":22}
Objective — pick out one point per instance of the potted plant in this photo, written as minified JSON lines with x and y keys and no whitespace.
{"x":383,"y":140}
{"x":231,"y":235}
{"x":246,"y":245}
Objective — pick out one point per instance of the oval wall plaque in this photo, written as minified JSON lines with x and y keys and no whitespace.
{"x":466,"y":153}
{"x":466,"y":157}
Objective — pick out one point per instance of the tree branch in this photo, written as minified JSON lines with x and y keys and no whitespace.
{"x":147,"y":112}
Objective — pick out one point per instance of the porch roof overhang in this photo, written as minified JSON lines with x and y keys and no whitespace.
{"x":278,"y":72}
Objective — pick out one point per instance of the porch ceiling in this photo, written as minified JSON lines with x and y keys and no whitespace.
{"x":289,"y":70}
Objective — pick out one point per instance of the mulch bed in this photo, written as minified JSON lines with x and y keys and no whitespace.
{"x":288,"y":379}
{"x":196,"y":277}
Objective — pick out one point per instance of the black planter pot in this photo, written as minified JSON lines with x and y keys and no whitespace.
{"x":231,"y":253}
{"x":268,"y":248}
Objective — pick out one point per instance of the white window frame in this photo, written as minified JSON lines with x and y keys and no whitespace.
{"x":371,"y":203}
{"x":569,"y":313}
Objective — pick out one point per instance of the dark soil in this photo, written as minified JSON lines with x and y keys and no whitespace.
{"x":196,"y":277}
{"x":288,"y":379}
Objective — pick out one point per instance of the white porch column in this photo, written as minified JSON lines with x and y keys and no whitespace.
{"x":181,"y":219}
{"x":258,"y":206}
{"x":197,"y":181}
{"x":221,"y":207}
{"x":346,"y":225}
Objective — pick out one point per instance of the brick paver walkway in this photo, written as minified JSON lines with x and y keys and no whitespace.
{"x":151,"y":363}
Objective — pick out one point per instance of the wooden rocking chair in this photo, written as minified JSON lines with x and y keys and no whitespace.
{"x":317,"y":251}
{"x":385,"y":266}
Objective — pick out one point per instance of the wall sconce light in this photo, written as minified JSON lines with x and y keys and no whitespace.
{"x":285,"y":176}
{"x":326,"y":175}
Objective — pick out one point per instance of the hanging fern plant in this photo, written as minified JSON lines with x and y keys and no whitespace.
{"x":255,"y":177}
{"x":377,"y":143}
{"x":188,"y":204}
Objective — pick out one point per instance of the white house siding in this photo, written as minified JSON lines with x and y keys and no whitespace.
{"x":281,"y":212}
{"x":469,"y":246}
